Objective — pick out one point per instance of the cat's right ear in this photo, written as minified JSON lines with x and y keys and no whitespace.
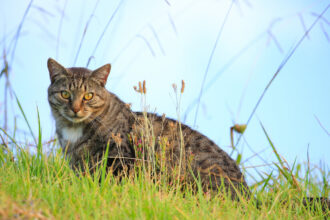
{"x":55,"y":69}
{"x":101,"y":74}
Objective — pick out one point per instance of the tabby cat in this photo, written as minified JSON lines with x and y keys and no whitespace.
{"x":89,"y":118}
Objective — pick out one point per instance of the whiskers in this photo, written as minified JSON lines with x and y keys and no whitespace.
{"x":71,"y":117}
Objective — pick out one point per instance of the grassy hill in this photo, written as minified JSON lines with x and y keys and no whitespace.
{"x":42,"y":186}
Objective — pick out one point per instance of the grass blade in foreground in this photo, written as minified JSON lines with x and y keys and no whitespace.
{"x":27,"y":122}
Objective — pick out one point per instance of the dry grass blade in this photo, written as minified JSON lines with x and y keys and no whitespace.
{"x":248,"y":3}
{"x":303,"y":23}
{"x":167,"y":2}
{"x":45,"y":28}
{"x":4,"y":142}
{"x":5,"y":72}
{"x":255,"y":154}
{"x":324,"y":32}
{"x":19,"y":30}
{"x":138,"y":35}
{"x":322,"y":17}
{"x":85,"y":31}
{"x":106,"y":28}
{"x":43,"y":11}
{"x":285,"y":60}
{"x":216,"y":77}
{"x":173,"y":24}
{"x":12,"y":139}
{"x":321,"y":125}
{"x":157,"y":38}
{"x":14,"y":210}
{"x":147,"y":43}
{"x":59,"y":29}
{"x":277,"y":43}
{"x":260,"y":165}
{"x":210,"y":60}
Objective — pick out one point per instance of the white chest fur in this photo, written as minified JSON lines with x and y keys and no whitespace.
{"x":71,"y":134}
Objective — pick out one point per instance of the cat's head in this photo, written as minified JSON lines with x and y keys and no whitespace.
{"x":76,"y":95}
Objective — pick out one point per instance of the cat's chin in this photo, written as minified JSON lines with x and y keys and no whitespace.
{"x":76,"y":120}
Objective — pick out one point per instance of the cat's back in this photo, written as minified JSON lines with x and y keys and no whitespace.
{"x":208,"y":159}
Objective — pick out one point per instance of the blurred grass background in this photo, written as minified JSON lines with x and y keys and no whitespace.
{"x":226,"y":51}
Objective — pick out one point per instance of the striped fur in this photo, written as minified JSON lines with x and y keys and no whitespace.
{"x":85,"y":134}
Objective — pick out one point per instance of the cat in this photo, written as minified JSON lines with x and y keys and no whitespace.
{"x":89,"y":118}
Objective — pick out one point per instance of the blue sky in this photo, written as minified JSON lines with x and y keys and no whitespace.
{"x":164,"y":42}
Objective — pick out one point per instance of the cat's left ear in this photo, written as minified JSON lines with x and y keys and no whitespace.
{"x":56,"y":70}
{"x":101,"y":74}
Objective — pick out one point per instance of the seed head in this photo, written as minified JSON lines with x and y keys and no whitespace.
{"x":117,"y":138}
{"x":182,"y":86}
{"x":239,"y":128}
{"x":144,"y":87}
{"x":174,"y":87}
{"x":140,"y":89}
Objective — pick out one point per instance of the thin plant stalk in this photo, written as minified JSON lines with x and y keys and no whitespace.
{"x":285,"y":60}
{"x":210,"y":60}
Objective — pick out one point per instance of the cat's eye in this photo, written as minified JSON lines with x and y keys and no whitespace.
{"x":88,"y":96}
{"x":65,"y":94}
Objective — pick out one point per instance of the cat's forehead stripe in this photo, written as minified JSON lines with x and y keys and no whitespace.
{"x":78,"y":71}
{"x":82,"y":81}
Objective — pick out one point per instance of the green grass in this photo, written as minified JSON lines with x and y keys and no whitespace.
{"x":44,"y":186}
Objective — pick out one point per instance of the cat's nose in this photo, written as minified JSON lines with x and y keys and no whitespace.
{"x":75,"y":107}
{"x":75,"y":110}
